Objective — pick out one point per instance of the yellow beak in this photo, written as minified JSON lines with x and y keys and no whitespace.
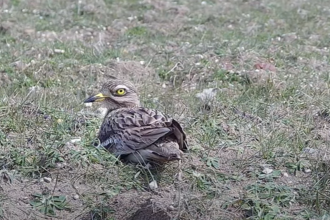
{"x":96,"y":98}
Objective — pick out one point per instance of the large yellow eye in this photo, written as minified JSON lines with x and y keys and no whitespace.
{"x":120,"y":91}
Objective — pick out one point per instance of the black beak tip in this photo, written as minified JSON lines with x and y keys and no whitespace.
{"x":90,"y":99}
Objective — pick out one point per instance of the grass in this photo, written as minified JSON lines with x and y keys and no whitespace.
{"x":258,"y":150}
{"x":47,"y":204}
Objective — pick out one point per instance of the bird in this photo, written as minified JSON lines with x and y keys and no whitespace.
{"x":134,"y":133}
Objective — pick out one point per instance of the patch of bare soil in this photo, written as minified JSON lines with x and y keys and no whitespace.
{"x":149,"y":212}
{"x":135,"y":205}
{"x":19,"y":193}
{"x":171,"y":202}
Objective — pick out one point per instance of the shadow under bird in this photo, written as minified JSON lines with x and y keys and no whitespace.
{"x":134,"y":133}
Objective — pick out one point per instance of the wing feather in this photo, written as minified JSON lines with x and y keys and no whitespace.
{"x":133,"y":129}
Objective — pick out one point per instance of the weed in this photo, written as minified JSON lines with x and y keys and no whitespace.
{"x":48,"y":204}
{"x":264,"y":200}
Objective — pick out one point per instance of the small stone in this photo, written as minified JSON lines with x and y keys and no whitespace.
{"x":75,"y":140}
{"x":59,"y":51}
{"x":307,"y":170}
{"x":59,"y":165}
{"x":170,"y":208}
{"x":76,"y":196}
{"x":153,"y":185}
{"x":285,"y":174}
{"x":88,"y":104}
{"x":267,"y":170}
{"x":131,"y":18}
{"x":47,"y":179}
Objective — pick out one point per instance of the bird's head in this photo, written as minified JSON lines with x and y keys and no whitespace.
{"x":116,"y":94}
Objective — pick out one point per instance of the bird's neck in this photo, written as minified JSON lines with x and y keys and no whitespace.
{"x":123,"y":106}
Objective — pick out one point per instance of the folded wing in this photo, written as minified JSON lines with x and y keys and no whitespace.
{"x":127,"y":130}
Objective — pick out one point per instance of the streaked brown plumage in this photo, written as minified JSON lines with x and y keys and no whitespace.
{"x":137,"y":134}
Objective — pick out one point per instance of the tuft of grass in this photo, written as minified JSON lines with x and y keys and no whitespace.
{"x":48,"y":204}
{"x":265,"y":201}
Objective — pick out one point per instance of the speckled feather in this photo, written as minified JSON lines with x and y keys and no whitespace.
{"x":127,"y":130}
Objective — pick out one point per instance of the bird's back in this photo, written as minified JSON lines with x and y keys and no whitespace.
{"x":129,"y":130}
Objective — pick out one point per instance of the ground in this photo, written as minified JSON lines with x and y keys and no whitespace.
{"x":248,"y":80}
